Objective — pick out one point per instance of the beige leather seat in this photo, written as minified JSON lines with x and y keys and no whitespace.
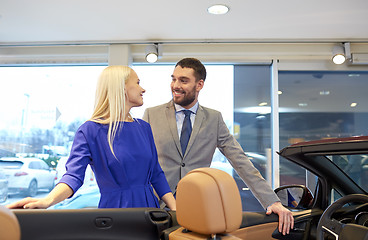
{"x":9,"y":225}
{"x":208,"y":205}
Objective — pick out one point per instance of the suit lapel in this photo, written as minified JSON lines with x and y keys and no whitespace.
{"x":171,"y":118}
{"x":197,"y":125}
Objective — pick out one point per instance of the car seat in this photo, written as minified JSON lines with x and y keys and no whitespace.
{"x":9,"y":225}
{"x":208,"y":206}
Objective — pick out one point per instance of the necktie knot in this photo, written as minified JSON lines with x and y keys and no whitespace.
{"x":187,"y":113}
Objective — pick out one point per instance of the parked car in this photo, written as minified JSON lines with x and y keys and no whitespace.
{"x":27,"y":175}
{"x":333,"y":204}
{"x":3,"y":186}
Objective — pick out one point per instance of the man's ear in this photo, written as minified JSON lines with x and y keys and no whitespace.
{"x":200,"y":85}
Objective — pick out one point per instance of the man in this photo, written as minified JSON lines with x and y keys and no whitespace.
{"x":207,"y":131}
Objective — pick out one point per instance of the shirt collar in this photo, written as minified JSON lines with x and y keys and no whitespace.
{"x":193,"y":109}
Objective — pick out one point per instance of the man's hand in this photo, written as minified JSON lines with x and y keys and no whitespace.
{"x":286,"y":219}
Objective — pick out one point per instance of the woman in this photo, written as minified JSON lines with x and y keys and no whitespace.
{"x":120,"y":150}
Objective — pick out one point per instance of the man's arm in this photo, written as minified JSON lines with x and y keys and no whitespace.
{"x":232,"y":150}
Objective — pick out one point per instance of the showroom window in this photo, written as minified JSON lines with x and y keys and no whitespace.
{"x":43,"y":107}
{"x":312,"y":105}
{"x":319,"y":104}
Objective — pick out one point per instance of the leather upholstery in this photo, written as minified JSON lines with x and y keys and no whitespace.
{"x":9,"y":225}
{"x":208,"y":203}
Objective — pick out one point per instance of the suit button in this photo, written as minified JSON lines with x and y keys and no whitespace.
{"x":183,"y":164}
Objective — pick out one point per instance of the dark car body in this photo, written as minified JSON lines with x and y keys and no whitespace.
{"x":336,"y":169}
{"x":328,"y":180}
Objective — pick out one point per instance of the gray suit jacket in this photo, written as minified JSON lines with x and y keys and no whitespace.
{"x":209,"y":131}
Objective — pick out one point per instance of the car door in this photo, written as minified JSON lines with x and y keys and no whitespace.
{"x":93,"y":224}
{"x":48,"y":175}
{"x":39,"y":173}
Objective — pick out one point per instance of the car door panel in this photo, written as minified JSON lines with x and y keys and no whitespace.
{"x":258,"y":225}
{"x":92,"y":224}
{"x":256,"y":232}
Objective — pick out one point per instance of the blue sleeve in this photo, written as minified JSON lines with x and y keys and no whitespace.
{"x":80,"y":157}
{"x":158,"y":180}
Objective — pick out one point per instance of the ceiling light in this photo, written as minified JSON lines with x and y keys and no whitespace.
{"x":353,"y":104}
{"x":325,"y":92}
{"x":303,"y":104}
{"x":338,"y":54}
{"x":279,"y":92}
{"x":262,"y":104}
{"x":152,"y":53}
{"x":218,"y":9}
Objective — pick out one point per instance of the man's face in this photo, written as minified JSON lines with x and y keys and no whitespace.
{"x":184,"y":87}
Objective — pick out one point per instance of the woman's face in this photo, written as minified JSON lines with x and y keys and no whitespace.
{"x":134,"y":92}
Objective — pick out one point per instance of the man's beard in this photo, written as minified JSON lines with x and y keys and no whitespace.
{"x":187,"y":100}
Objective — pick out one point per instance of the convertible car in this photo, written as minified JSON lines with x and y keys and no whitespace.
{"x":332,"y":204}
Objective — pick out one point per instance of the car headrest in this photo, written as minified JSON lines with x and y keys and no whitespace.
{"x":208,"y":202}
{"x":9,"y":225}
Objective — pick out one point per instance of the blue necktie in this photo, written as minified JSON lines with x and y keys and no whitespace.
{"x":185,"y":131}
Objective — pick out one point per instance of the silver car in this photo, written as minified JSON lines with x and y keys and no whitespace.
{"x":27,"y":175}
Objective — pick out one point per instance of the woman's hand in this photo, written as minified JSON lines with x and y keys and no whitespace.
{"x":58,"y":194}
{"x":30,"y":203}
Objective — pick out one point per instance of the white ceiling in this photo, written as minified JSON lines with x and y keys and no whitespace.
{"x":24,"y":22}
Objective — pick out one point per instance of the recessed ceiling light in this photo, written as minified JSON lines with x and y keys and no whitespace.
{"x":324,"y":92}
{"x":279,"y":92}
{"x":303,"y":104}
{"x":353,"y":104}
{"x":218,"y":9}
{"x":262,"y":104}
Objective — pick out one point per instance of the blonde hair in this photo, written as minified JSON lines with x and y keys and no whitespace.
{"x":110,"y":99}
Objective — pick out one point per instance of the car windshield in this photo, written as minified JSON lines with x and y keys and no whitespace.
{"x":10,"y":164}
{"x":355,"y":166}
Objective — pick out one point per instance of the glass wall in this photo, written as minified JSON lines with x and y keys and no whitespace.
{"x":312,"y":105}
{"x":42,"y":107}
{"x":252,"y":87}
{"x":316,"y":105}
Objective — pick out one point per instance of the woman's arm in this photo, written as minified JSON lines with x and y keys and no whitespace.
{"x":169,"y":200}
{"x":58,"y":194}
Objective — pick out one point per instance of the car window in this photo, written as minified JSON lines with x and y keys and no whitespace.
{"x":44,"y":165}
{"x":335,"y":195}
{"x":11,"y":164}
{"x":355,"y":166}
{"x":293,"y":174}
{"x":34,"y":165}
